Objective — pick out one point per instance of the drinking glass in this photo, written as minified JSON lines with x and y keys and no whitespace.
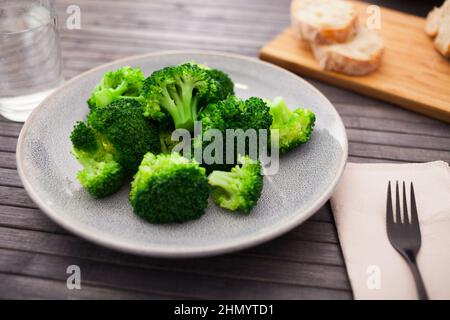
{"x":30,"y":55}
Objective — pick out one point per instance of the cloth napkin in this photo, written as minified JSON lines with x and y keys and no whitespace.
{"x":375,"y":269}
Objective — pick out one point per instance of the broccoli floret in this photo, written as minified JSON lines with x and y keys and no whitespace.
{"x":101,"y":175}
{"x":169,"y":188}
{"x":179,"y":91}
{"x":125,"y":126}
{"x":295,"y":127}
{"x":240,"y":188}
{"x":233,"y":113}
{"x":225,"y":84}
{"x":125,"y":82}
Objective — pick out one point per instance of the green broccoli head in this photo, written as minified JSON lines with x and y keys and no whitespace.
{"x":101,"y":178}
{"x":169,"y":188}
{"x":178,"y":91}
{"x":225,"y":84}
{"x":101,"y":175}
{"x":125,"y":82}
{"x":131,"y":134}
{"x":240,"y":188}
{"x":233,"y":113}
{"x":295,"y":127}
{"x":84,"y":138}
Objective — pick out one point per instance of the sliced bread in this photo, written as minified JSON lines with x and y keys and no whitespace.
{"x":360,"y":56}
{"x":435,"y":18}
{"x":438,"y":27}
{"x":324,"y":21}
{"x":442,"y":40}
{"x":433,"y":22}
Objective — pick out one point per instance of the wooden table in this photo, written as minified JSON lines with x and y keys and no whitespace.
{"x":303,"y":264}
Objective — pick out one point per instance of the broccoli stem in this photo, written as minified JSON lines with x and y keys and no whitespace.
{"x":86,"y":162}
{"x":280,"y":111}
{"x":181,"y":103}
{"x":225,"y":180}
{"x":106,"y":96}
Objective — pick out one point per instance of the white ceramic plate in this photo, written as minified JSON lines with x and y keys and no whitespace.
{"x":305,"y":181}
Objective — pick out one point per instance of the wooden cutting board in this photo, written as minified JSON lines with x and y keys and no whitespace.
{"x":412,"y":75}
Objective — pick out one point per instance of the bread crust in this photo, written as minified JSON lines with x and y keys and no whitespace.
{"x":335,"y":60}
{"x":320,"y":35}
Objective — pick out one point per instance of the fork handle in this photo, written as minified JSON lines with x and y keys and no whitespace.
{"x":421,"y":291}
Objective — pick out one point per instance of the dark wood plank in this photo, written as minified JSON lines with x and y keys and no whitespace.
{"x":311,"y":252}
{"x":315,"y":231}
{"x":229,"y":266}
{"x":361,"y":159}
{"x":398,"y":139}
{"x":9,"y":128}
{"x":397,"y":153}
{"x":18,"y":287}
{"x":9,"y":177}
{"x":396,"y":126}
{"x":8,"y":144}
{"x":14,"y":196}
{"x":149,"y":282}
{"x":27,"y":218}
{"x":8,"y":160}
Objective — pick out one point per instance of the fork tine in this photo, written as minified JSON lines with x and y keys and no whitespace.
{"x":414,"y":218}
{"x":405,"y":205}
{"x":389,"y":212}
{"x":398,"y":218}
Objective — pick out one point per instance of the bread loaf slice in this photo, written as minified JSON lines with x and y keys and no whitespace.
{"x":438,"y":27}
{"x":442,"y":40}
{"x":435,"y":18}
{"x":360,"y":56}
{"x":324,"y":21}
{"x":433,"y":22}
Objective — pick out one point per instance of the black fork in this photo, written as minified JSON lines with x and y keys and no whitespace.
{"x":404,"y":233}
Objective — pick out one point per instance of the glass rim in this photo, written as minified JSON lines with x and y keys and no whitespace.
{"x":49,"y":5}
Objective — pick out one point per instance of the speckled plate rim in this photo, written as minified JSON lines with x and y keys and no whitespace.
{"x":161,"y":250}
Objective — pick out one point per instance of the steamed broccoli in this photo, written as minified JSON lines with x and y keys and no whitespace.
{"x":225,"y":86}
{"x":169,"y":188}
{"x":125,"y":82}
{"x":179,"y":91}
{"x":295,"y":127}
{"x":111,"y":144}
{"x":240,"y":188}
{"x":224,"y":83}
{"x":125,"y":126}
{"x":235,"y":114}
{"x":101,"y":175}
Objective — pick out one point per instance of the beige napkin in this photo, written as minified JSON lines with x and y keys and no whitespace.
{"x":375,"y":269}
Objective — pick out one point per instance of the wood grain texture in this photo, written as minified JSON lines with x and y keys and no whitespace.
{"x":412,"y":75}
{"x":305,"y":263}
